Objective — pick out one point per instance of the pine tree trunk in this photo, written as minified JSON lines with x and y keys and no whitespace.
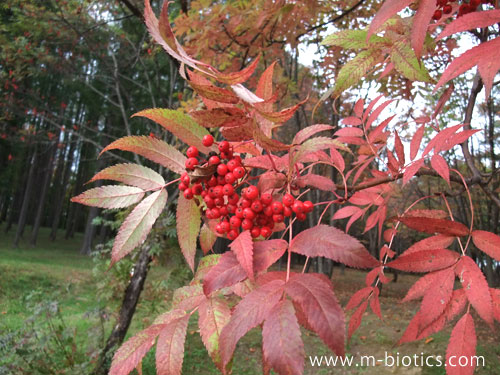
{"x":127,"y":310}
{"x":26,"y":200}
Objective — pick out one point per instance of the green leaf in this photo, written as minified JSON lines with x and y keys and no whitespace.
{"x":351,"y":39}
{"x":188,"y":227}
{"x":405,"y":61}
{"x":179,"y":124}
{"x":352,"y":72}
{"x":138,"y":224}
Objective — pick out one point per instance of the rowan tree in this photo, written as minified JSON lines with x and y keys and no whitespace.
{"x":238,"y":181}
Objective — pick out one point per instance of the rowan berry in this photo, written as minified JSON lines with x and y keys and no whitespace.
{"x":287,"y":211}
{"x":447,"y":9}
{"x":228,"y":190}
{"x":437,"y":14}
{"x":277,"y":207}
{"x":185,"y":178}
{"x":231,"y":164}
{"x":224,"y":146}
{"x":256,"y":206}
{"x":278,"y":218}
{"x":229,"y":178}
{"x":188,"y":193}
{"x":223,"y":211}
{"x":192,"y":152}
{"x":298,"y":207}
{"x":222,"y":169}
{"x":265,"y":232}
{"x":288,"y":199}
{"x":239,"y":172}
{"x":246,"y":224}
{"x":235,"y":222}
{"x":266,"y":199}
{"x":219,"y":201}
{"x":252,"y":192}
{"x":308,"y":206}
{"x":209,"y":201}
{"x":245,"y":203}
{"x":239,"y":213}
{"x":215,"y":213}
{"x":248,"y":213}
{"x":212,"y":182}
{"x":224,"y":226}
{"x":231,"y":208}
{"x":191,"y":163}
{"x":255,"y":232}
{"x":268,"y":211}
{"x":301,"y":216}
{"x":182,"y":186}
{"x":232,"y":234}
{"x":207,"y":140}
{"x":197,"y":189}
{"x":233,"y":199}
{"x":213,"y":160}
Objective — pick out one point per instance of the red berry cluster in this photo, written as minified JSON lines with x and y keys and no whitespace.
{"x":251,"y":210}
{"x":444,"y":7}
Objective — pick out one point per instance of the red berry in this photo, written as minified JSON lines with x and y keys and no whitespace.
{"x":233,"y":199}
{"x":224,"y":211}
{"x":239,"y":172}
{"x":215,"y":213}
{"x":298,"y":207}
{"x":182,"y":186}
{"x":232,"y":234}
{"x":247,"y":224}
{"x":248,"y":213}
{"x":447,"y":9}
{"x":220,"y":180}
{"x":239,"y":213}
{"x":222,"y":169}
{"x":224,"y":226}
{"x":218,"y":191}
{"x":224,"y":146}
{"x":252,"y":192}
{"x":231,"y":208}
{"x":301,"y":216}
{"x":287,"y":211}
{"x":245,"y":203}
{"x":231,"y":164}
{"x":185,"y":178}
{"x":474,"y":3}
{"x":212,"y":182}
{"x":214,"y":160}
{"x":228,"y":190}
{"x":265,"y":231}
{"x":278,"y":218}
{"x":229,"y":178}
{"x":192,"y":152}
{"x":234,"y":222}
{"x":277,"y":207}
{"x":219,"y":201}
{"x":437,"y":14}
{"x":218,"y":229}
{"x":257,"y":206}
{"x":188,"y":193}
{"x":209,"y":201}
{"x":255,"y":232}
{"x":266,"y":199}
{"x":441,"y":3}
{"x":288,"y":199}
{"x":191,"y":163}
{"x":203,"y":194}
{"x":224,"y":155}
{"x":308,"y":206}
{"x":207,"y":140}
{"x":268,"y":211}
{"x":197,"y":189}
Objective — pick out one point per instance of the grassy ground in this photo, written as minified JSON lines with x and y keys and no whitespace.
{"x":56,"y":271}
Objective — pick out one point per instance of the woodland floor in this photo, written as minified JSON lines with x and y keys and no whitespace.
{"x":57,"y":271}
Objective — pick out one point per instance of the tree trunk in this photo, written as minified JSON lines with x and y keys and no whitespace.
{"x":127,"y":310}
{"x":90,"y":230}
{"x":45,"y":187}
{"x":26,"y":200}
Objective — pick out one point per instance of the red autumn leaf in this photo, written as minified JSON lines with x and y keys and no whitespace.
{"x":252,"y":310}
{"x":213,"y":315}
{"x":330,"y":242}
{"x":389,"y":8}
{"x":308,"y":132}
{"x":437,"y":297}
{"x":431,"y":225}
{"x":132,"y":174}
{"x":316,"y":181}
{"x":400,"y":150}
{"x":128,"y":356}
{"x":352,"y":121}
{"x":319,"y":304}
{"x":455,"y":306}
{"x":188,"y":227}
{"x":375,"y":303}
{"x":227,"y":272}
{"x":217,"y":94}
{"x":265,"y":88}
{"x":242,"y":246}
{"x":495,"y":297}
{"x":376,"y":113}
{"x":420,"y":24}
{"x":264,"y":162}
{"x":462,"y":344}
{"x":201,"y":80}
{"x":271,"y":180}
{"x":138,"y":224}
{"x":430,"y":214}
{"x":438,"y":241}
{"x":205,"y":265}
{"x":483,"y":55}
{"x":313,"y":145}
{"x":170,"y":346}
{"x":337,"y":159}
{"x":347,"y":211}
{"x":358,"y":107}
{"x":358,"y":297}
{"x":217,"y":117}
{"x":445,"y":96}
{"x":283,"y":115}
{"x":188,"y":297}
{"x":281,"y":342}
{"x":471,"y":21}
{"x":411,"y":332}
{"x":349,"y":132}
{"x":356,"y":318}
{"x":476,"y":287}
{"x":267,"y":143}
{"x":487,"y":242}
{"x":154,"y":149}
{"x":425,"y":260}
{"x":207,"y":239}
{"x":420,"y":287}
{"x":266,"y":253}
{"x":412,"y":169}
{"x":458,"y":138}
{"x":110,"y":196}
{"x":441,"y":167}
{"x":440,"y":139}
{"x":238,"y":77}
